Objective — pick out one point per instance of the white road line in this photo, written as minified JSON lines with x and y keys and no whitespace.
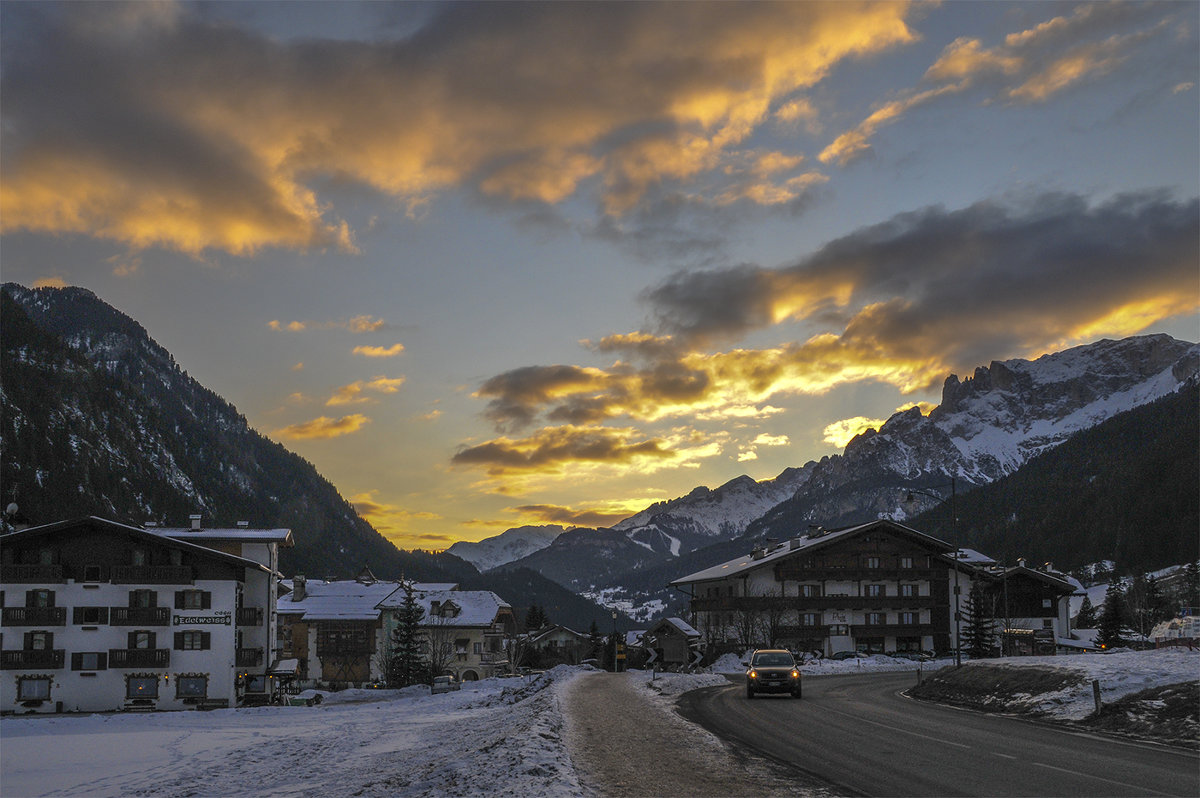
{"x":1139,"y":787}
{"x":1002,"y":756}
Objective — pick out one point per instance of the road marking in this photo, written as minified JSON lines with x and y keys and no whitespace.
{"x":1003,"y":756}
{"x":858,"y":719}
{"x":1139,"y":787}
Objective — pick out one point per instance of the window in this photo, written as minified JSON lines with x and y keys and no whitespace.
{"x":143,"y":598}
{"x":33,"y":688}
{"x":90,"y":615}
{"x":39,"y":598}
{"x":906,"y":562}
{"x":193,"y":599}
{"x":193,"y":641}
{"x":176,"y":557}
{"x":839,"y":630}
{"x":1047,"y":623}
{"x":1047,"y":603}
{"x":141,"y":686}
{"x":809,"y":619}
{"x":908,"y":618}
{"x":46,"y":557}
{"x":89,"y":661}
{"x":876,"y":618}
{"x":137,"y":557}
{"x":810,"y":591}
{"x":142,"y":638}
{"x":871,"y":562}
{"x":189,"y":685}
{"x":908,"y":591}
{"x":39,"y":641}
{"x":875,"y":591}
{"x":478,"y":648}
{"x":91,"y":573}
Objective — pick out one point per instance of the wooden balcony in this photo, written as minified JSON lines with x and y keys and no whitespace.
{"x":856,"y":573}
{"x":34,"y":616}
{"x":249,"y":616}
{"x":139,"y":657}
{"x":152,"y":575}
{"x":139,"y":616}
{"x":32,"y":574}
{"x":37,"y":658}
{"x":249,"y":657}
{"x":812,"y":604}
{"x":892,"y":630}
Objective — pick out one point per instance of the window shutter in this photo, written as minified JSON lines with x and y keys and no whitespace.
{"x":29,"y":598}
{"x":206,"y":600}
{"x":133,"y":598}
{"x":49,"y":598}
{"x":206,"y":640}
{"x":49,"y":640}
{"x":102,"y":661}
{"x":29,"y":641}
{"x":153,"y":636}
{"x":76,"y":661}
{"x":103,"y":615}
{"x":178,"y":599}
{"x":179,"y":641}
{"x":77,"y":616}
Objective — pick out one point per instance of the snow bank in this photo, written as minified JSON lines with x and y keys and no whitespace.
{"x":493,"y":737}
{"x":732,"y":664}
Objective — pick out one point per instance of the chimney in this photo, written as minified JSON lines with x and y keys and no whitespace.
{"x":1020,"y":562}
{"x":195,"y":519}
{"x":243,"y":524}
{"x":1048,"y":567}
{"x":298,"y":585}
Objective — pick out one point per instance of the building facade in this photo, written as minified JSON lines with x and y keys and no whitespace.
{"x":101,"y":616}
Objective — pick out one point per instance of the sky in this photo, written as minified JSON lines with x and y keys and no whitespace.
{"x":487,"y":265}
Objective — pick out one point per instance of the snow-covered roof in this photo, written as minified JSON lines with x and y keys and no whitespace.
{"x":972,"y":557}
{"x":343,"y":600}
{"x":476,"y":607}
{"x":634,"y":637}
{"x":782,"y":550}
{"x":242,"y":534}
{"x":679,"y":623}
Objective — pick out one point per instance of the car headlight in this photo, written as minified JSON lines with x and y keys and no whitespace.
{"x":753,"y":674}
{"x":795,"y":674}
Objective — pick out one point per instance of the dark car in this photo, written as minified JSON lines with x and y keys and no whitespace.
{"x":772,"y":670}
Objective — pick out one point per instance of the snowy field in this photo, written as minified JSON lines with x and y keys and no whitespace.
{"x":496,"y":737}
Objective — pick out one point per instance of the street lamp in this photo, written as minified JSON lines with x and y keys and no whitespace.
{"x":616,"y":665}
{"x":909,"y":499}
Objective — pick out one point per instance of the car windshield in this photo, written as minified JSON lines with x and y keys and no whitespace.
{"x":777,"y":659}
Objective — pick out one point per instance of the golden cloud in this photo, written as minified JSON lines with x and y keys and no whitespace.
{"x":391,"y":520}
{"x":840,"y":433}
{"x":49,"y":282}
{"x":199,"y":161}
{"x":570,"y":516}
{"x":379,"y":351}
{"x":354,"y":393}
{"x":357,"y":324}
{"x":324,"y":427}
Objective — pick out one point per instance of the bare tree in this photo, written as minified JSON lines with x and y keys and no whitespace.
{"x":771,"y":616}
{"x":745,"y":622}
{"x":439,"y":641}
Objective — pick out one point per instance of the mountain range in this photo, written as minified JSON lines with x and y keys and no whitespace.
{"x":97,"y":418}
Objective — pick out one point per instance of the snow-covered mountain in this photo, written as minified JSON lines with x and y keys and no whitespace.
{"x":512,"y":544}
{"x":705,"y":515}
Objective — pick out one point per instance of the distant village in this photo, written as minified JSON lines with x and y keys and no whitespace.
{"x":104,"y":616}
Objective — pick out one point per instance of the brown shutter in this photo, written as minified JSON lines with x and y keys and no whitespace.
{"x":179,"y":599}
{"x":179,"y":641}
{"x":132,"y":640}
{"x":77,"y":616}
{"x":153,"y":637}
{"x":206,"y":600}
{"x":102,"y":661}
{"x":76,"y":661}
{"x":206,"y":640}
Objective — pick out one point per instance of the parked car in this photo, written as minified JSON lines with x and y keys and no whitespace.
{"x":444,"y":684}
{"x":772,"y":670}
{"x":915,"y":656}
{"x":849,"y":655}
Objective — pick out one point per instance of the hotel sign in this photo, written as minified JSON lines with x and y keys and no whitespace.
{"x":219,"y":619}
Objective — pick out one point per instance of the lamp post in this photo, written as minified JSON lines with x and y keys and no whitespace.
{"x":616,"y":665}
{"x":953,"y":485}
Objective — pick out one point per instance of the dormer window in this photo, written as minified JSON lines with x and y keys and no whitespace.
{"x":137,"y":557}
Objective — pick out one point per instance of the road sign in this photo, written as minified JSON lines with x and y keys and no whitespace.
{"x":653,"y":655}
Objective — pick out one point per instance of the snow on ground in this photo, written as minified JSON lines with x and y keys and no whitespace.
{"x":1120,"y":673}
{"x":878,"y":663}
{"x":494,"y":737}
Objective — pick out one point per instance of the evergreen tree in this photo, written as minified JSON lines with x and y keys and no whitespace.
{"x":408,"y":662}
{"x":979,"y":632}
{"x":1086,"y":618}
{"x":1112,"y":618}
{"x":595,"y":640}
{"x":1191,"y":586}
{"x":536,"y":618}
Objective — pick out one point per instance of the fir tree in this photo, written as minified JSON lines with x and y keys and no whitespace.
{"x":536,"y":618}
{"x":1086,"y":618}
{"x":1191,"y":586}
{"x":1112,"y":618}
{"x":408,"y":663}
{"x":979,"y":633}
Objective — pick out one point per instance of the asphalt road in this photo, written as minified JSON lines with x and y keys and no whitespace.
{"x":862,"y":737}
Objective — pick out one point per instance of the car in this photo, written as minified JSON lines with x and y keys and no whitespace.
{"x":848,"y":655}
{"x":772,"y":670}
{"x":914,"y":656}
{"x":444,"y":684}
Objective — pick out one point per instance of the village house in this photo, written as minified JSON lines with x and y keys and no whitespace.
{"x":100,"y":615}
{"x":876,"y":588}
{"x":674,"y":641}
{"x":558,"y":643}
{"x":339,"y":632}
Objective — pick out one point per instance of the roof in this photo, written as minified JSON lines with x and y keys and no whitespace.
{"x":136,"y":532}
{"x":541,"y":634}
{"x":679,"y":623}
{"x":476,"y":607}
{"x":281,"y":536}
{"x":343,"y":600}
{"x":806,"y":543}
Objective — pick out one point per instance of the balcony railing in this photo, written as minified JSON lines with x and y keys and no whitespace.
{"x":51,"y":658}
{"x":794,"y":573}
{"x":139,"y":616}
{"x":31,"y":574}
{"x":809,"y":604}
{"x":34,"y":616}
{"x":892,"y":629}
{"x":139,"y":657}
{"x":249,"y":657}
{"x":152,"y":574}
{"x":249,"y":616}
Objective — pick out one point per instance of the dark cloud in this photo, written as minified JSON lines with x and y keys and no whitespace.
{"x":553,"y":447}
{"x":557,"y":514}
